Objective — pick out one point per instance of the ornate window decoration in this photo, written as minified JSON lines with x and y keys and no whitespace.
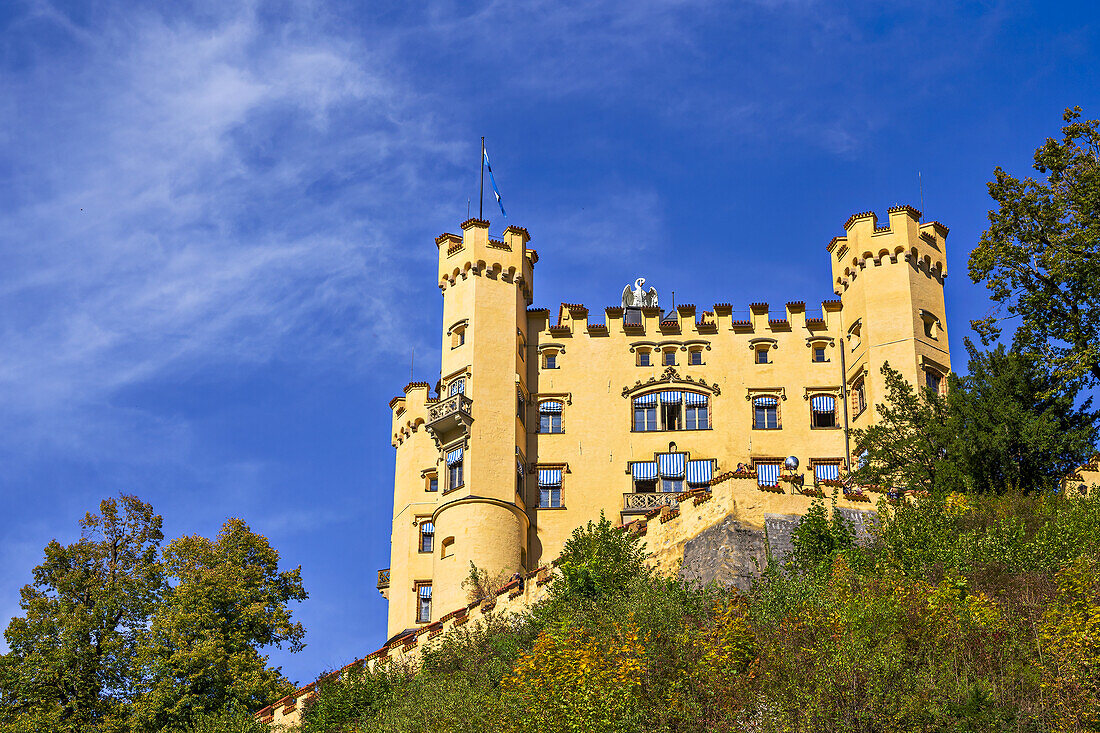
{"x":819,"y":348}
{"x":457,"y":332}
{"x":934,"y":375}
{"x":932,"y":325}
{"x":855,"y":336}
{"x":671,"y":376}
{"x":762,"y":348}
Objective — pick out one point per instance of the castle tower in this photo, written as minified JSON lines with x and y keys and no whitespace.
{"x":456,"y":494}
{"x":890,"y":281}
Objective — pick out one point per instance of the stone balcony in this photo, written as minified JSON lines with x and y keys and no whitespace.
{"x":642,"y":503}
{"x":384,"y":582}
{"x":450,"y":418}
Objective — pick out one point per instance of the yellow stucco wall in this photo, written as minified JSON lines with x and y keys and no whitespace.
{"x":890,"y":283}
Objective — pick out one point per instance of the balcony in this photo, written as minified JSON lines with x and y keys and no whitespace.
{"x":642,"y":503}
{"x":384,"y":581}
{"x":450,"y":417}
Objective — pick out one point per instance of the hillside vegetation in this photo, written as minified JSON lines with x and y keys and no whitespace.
{"x":964,"y":614}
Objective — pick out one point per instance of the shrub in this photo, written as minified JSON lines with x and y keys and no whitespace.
{"x":575,"y":680}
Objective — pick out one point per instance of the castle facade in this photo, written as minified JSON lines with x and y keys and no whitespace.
{"x":541,"y":421}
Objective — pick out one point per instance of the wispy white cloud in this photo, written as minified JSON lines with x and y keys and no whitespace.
{"x":192,"y":194}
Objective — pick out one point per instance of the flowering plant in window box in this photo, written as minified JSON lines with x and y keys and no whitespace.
{"x":831,"y":482}
{"x":775,"y":489}
{"x":813,"y":491}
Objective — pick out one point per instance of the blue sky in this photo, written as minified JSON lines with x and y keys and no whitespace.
{"x":217,"y":218}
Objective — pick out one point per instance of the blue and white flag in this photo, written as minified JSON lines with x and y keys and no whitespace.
{"x":496,"y":191}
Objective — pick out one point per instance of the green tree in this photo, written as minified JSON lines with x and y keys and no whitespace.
{"x":72,"y":660}
{"x":227,"y":601}
{"x":1040,"y":256}
{"x":908,"y":446}
{"x":818,"y":537}
{"x":1012,"y":427}
{"x":599,"y":559}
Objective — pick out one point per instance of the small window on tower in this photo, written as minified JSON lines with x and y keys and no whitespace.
{"x":454,"y":469}
{"x":550,"y":360}
{"x":458,"y":336}
{"x":431,"y":482}
{"x":695,"y":357}
{"x":819,"y":353}
{"x":427,"y":536}
{"x":762,"y":355}
{"x":933,"y":381}
{"x":670,"y":358}
{"x":859,"y":397}
{"x":931,"y":324}
{"x":643,"y":357}
{"x":855,"y":336}
{"x":423,"y":602}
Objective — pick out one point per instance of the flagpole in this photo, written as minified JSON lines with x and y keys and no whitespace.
{"x":481,"y":197}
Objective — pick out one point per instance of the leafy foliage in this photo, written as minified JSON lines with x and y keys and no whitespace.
{"x":966,"y":613}
{"x":72,"y":657}
{"x":1040,"y":256}
{"x":228,"y":600}
{"x":1013,"y":427}
{"x":120,"y":636}
{"x":1006,"y":427}
{"x":599,"y":560}
{"x":908,"y":446}
{"x":819,"y":536}
{"x":578,"y":679}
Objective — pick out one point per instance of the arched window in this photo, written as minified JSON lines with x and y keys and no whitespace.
{"x":458,"y":386}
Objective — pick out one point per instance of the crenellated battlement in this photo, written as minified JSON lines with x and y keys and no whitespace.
{"x":410,"y":411}
{"x":574,"y":319}
{"x":904,"y":239}
{"x":474,"y":253}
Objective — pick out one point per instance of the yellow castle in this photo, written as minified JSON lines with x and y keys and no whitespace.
{"x":540,"y":423}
